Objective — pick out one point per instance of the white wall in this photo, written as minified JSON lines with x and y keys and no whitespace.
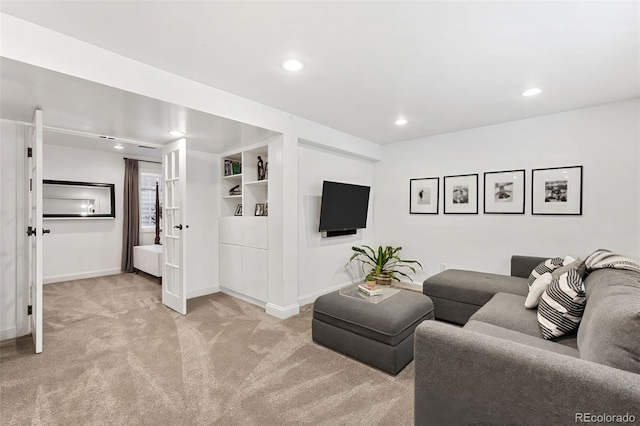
{"x":203,"y":195}
{"x":604,"y":139}
{"x":81,"y":248}
{"x":321,"y":261}
{"x":12,"y":280}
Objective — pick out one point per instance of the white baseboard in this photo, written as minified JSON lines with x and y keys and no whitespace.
{"x":282,"y":312}
{"x":203,"y":291}
{"x":80,"y":276}
{"x":243,"y":297}
{"x":8,"y":333}
{"x":311,"y":297}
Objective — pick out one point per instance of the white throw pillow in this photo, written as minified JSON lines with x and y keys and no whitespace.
{"x":536,"y":289}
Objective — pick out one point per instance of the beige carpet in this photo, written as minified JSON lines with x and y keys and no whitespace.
{"x":113,"y":354}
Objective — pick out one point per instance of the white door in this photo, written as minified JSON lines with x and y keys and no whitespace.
{"x":35,"y":230}
{"x":174,"y":280}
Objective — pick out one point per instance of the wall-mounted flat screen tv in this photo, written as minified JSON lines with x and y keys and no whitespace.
{"x":344,"y":208}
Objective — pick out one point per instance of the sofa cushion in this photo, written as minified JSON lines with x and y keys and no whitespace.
{"x":525,"y":339}
{"x":474,"y":288}
{"x":610,"y":330}
{"x":543,"y":267}
{"x":508,"y":311}
{"x":561,"y":305}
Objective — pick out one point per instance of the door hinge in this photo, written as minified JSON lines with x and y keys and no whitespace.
{"x":29,"y":309}
{"x":29,"y":152}
{"x":31,"y":231}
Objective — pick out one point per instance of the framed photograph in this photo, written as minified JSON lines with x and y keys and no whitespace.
{"x":259,"y":210}
{"x":461,"y":194}
{"x":423,"y":195}
{"x":557,"y":190}
{"x":504,"y":192}
{"x":238,"y":210}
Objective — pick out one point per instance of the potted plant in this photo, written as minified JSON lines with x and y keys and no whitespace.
{"x":371,"y":279}
{"x":384,"y":263}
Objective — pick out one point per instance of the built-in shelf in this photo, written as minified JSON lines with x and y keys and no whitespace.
{"x":236,"y":176}
{"x":258,"y":182}
{"x":232,"y":196}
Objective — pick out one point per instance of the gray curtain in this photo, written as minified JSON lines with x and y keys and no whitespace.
{"x":131,"y":216}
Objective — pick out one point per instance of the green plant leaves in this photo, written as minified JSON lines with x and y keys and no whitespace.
{"x":383,"y":260}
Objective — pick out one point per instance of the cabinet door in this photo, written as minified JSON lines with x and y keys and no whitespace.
{"x":231,"y":267}
{"x":254,"y":232}
{"x":254,"y":273}
{"x":231,"y":230}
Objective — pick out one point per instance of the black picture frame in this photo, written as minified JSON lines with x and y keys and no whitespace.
{"x":504,"y":192}
{"x":460,"y":194}
{"x":238,"y":211}
{"x":424,"y":195}
{"x":557,"y":191}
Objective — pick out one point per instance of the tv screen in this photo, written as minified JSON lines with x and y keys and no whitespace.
{"x":344,"y":206}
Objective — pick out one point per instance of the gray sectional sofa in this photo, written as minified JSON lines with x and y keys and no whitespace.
{"x":497,"y":369}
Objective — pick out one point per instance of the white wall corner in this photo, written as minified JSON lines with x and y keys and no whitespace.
{"x":282,"y":312}
{"x":203,"y":291}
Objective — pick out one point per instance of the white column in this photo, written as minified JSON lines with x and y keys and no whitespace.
{"x":282,"y":281}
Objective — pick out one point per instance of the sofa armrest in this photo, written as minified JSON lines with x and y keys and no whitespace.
{"x":521,"y":266}
{"x":463,"y":377}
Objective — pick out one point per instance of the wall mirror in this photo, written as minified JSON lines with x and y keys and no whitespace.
{"x":65,"y":199}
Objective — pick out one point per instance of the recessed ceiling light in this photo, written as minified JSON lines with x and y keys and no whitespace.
{"x":401,"y":122}
{"x":176,"y":133}
{"x":118,"y":147}
{"x":292,"y":65}
{"x":531,"y":92}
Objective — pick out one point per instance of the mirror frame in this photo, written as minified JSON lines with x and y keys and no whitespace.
{"x":112,"y":196}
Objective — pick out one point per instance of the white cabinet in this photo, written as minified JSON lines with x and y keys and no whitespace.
{"x":231,"y":267}
{"x":244,"y":233}
{"x":254,"y":273}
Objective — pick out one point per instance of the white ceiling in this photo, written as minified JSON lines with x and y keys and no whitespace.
{"x":89,"y":108}
{"x":445,"y":66}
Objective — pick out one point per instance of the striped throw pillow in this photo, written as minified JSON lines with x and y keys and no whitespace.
{"x":547,"y":266}
{"x":561,"y":305}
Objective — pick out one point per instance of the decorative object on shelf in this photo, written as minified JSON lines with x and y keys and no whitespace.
{"x":260,"y":210}
{"x":238,"y":210}
{"x":266,"y":170}
{"x":461,"y":194}
{"x":423,"y":195}
{"x":235,"y":190}
{"x":504,"y":192}
{"x":266,"y":209}
{"x":557,"y":190}
{"x":384,"y":263}
{"x":232,"y":167}
{"x":261,"y":169}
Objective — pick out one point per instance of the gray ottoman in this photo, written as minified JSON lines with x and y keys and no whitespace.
{"x":380,"y":335}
